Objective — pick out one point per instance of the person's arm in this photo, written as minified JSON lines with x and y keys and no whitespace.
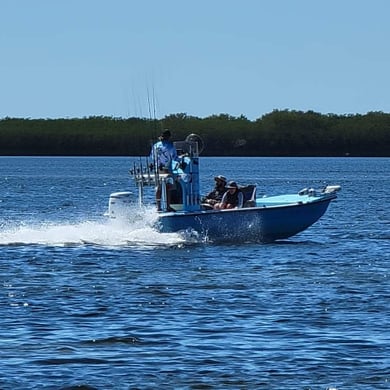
{"x":151,"y":156}
{"x":223,"y":200}
{"x":240,"y":200}
{"x":211,"y":195}
{"x":154,"y":154}
{"x":173,"y":153}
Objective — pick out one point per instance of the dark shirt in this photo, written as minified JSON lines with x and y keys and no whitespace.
{"x":236,"y":199}
{"x":215,"y":195}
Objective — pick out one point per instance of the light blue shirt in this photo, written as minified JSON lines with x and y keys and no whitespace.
{"x":163,"y":152}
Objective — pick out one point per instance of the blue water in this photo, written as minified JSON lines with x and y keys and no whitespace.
{"x":89,"y":303}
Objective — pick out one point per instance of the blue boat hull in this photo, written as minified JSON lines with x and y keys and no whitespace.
{"x":264,"y":224}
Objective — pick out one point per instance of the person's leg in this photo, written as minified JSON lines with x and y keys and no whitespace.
{"x":158,"y":198}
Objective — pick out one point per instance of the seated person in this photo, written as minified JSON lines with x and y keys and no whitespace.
{"x":216,"y":194}
{"x":232,"y":198}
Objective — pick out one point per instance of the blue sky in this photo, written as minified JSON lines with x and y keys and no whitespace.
{"x":78,"y":58}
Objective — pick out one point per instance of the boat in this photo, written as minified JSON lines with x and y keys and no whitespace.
{"x":261,"y":219}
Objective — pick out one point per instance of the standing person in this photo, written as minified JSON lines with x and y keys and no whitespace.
{"x":162,"y":154}
{"x":215,"y":196}
{"x":232,"y":198}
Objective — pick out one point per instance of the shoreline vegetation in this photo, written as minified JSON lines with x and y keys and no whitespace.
{"x":284,"y":133}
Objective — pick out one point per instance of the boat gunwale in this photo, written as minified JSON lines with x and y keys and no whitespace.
{"x":323,"y":198}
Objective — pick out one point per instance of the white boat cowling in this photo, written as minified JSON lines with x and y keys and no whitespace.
{"x":119,"y":203}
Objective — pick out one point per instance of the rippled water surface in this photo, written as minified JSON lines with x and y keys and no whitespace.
{"x":91,"y":303}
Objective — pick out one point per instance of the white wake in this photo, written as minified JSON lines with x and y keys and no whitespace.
{"x":135,"y":230}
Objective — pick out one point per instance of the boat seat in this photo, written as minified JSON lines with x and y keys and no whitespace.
{"x":249,"y":193}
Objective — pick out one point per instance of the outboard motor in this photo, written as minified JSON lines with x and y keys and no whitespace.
{"x":119,"y":203}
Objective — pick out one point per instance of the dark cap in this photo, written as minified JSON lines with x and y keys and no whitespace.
{"x":232,"y":184}
{"x":166,"y":134}
{"x":220,"y":178}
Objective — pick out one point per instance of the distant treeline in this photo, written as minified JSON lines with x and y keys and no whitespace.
{"x":279,"y":133}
